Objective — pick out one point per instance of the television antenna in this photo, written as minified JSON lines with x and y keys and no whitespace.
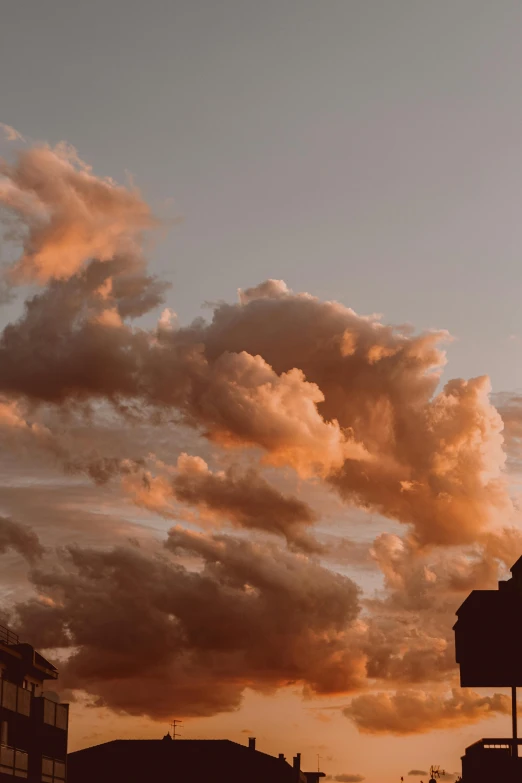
{"x":173,"y":725}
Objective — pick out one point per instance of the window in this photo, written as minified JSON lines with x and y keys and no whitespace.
{"x":47,"y":769}
{"x":7,"y":760}
{"x":21,"y":764}
{"x":13,"y":762}
{"x":53,"y":770}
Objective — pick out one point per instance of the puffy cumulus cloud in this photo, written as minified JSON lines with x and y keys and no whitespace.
{"x":66,"y":214}
{"x":243,"y":498}
{"x":432,"y":461}
{"x":62,"y":350}
{"x":148,"y":635}
{"x":402,"y":651}
{"x":509,"y":406}
{"x":270,"y":289}
{"x":416,"y":712}
{"x":251,"y":405}
{"x":65,"y":349}
{"x":409,"y":639}
{"x":19,"y":538}
{"x":310,"y":383}
{"x":422,"y":581}
{"x":299,"y":382}
{"x":238,"y":400}
{"x":429,"y":581}
{"x":501,"y":544}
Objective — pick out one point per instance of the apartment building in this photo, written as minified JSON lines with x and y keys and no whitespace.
{"x":33,"y":722}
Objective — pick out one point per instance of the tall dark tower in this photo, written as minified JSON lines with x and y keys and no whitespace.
{"x":488,"y":645}
{"x":33,"y":722}
{"x":488,"y":641}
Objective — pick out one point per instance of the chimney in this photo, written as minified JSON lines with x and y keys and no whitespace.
{"x":297,"y":766}
{"x":252,"y":743}
{"x":282,"y":757}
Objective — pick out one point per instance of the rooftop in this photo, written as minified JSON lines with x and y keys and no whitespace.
{"x":183,"y":759}
{"x":13,"y":651}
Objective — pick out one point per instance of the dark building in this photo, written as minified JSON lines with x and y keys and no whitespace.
{"x":491,"y":760}
{"x":488,"y":641}
{"x":33,"y":724}
{"x":193,"y":761}
{"x":488,"y":647}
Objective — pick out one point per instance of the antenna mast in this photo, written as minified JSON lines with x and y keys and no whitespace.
{"x":173,"y":725}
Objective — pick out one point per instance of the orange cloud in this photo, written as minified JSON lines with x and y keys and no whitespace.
{"x":416,"y":712}
{"x":243,"y":498}
{"x":67,"y":215}
{"x":19,"y":538}
{"x":148,"y":636}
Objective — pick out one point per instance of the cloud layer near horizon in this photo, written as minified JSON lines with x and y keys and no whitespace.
{"x":279,"y":381}
{"x":146,"y":632}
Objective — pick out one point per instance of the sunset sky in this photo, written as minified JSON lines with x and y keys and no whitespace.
{"x":260,"y":365}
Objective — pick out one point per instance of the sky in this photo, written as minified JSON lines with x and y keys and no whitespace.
{"x":292,"y":460}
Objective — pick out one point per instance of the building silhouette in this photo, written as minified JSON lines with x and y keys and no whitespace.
{"x":491,"y":760}
{"x":33,"y":724}
{"x":136,"y":761}
{"x":488,"y":646}
{"x":488,"y":641}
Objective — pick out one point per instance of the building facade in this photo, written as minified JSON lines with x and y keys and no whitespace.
{"x":490,"y":760}
{"x":33,"y":722}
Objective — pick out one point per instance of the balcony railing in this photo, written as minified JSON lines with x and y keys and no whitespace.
{"x":7,"y":636}
{"x":15,"y":698}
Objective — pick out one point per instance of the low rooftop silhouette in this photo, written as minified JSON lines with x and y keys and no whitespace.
{"x":135,"y":761}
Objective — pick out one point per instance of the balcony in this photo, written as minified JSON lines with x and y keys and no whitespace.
{"x":18,"y":699}
{"x":13,"y":761}
{"x":15,"y":698}
{"x":7,"y":636}
{"x":56,"y":714}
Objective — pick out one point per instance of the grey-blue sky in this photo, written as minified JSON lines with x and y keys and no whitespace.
{"x":363,"y":150}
